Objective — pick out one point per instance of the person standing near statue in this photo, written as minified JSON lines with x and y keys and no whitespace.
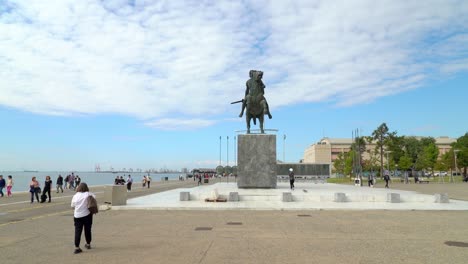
{"x":291,"y":178}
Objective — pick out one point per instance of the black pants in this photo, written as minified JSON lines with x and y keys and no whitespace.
{"x":386,"y":183}
{"x":81,"y":222}
{"x":148,"y":184}
{"x":48,"y":193}
{"x":32,"y":196}
{"x":129,"y":186}
{"x":291,"y":183}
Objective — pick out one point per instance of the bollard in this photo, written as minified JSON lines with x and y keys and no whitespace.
{"x":233,"y":196}
{"x":340,"y":198}
{"x":287,"y":197}
{"x":184,"y":196}
{"x":441,"y":198}
{"x":393,"y":197}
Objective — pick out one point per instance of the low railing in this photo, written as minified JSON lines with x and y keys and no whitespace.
{"x":307,"y":178}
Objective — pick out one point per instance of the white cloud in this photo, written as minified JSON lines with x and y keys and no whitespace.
{"x":179,"y":124}
{"x":156,"y":60}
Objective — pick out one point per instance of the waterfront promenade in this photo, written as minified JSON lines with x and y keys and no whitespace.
{"x":43,"y":233}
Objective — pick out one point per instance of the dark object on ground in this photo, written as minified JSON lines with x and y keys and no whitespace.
{"x":43,"y":198}
{"x":217,"y":200}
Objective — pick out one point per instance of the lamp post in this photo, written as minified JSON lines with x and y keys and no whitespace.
{"x":227,"y":151}
{"x":219,"y":150}
{"x":235,"y":152}
{"x":455,"y":151}
{"x":388,"y":163}
{"x":284,"y":147}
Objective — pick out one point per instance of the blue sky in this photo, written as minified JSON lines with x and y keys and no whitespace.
{"x":147,"y":84}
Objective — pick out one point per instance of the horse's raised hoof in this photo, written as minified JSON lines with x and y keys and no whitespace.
{"x":269,"y":116}
{"x":241,"y":114}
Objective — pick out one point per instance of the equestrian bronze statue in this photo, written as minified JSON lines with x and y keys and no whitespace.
{"x":254,"y":103}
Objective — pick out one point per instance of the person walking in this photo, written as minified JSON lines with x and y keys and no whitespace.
{"x":77,"y":181}
{"x":59,"y":183}
{"x":370,"y":180}
{"x":66,"y":181}
{"x":34,"y":189}
{"x":9,"y":185}
{"x":2,"y":185}
{"x":291,"y":178}
{"x":144,"y":181}
{"x":71,"y":181}
{"x":148,"y":181}
{"x":47,"y":187}
{"x":82,"y":217}
{"x":386,"y":178}
{"x":199,"y":179}
{"x":129,"y":183}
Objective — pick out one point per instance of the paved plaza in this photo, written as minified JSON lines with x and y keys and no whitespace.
{"x":43,"y":233}
{"x":306,"y":196}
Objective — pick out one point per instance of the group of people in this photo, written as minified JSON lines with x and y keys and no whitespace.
{"x":70,"y":182}
{"x":371,"y":180}
{"x":119,"y":180}
{"x":146,"y":181}
{"x":83,"y":218}
{"x":8,"y":183}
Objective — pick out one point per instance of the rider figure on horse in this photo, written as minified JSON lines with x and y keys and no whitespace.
{"x":254,"y":91}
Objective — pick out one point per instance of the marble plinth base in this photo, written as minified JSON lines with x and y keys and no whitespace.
{"x":115,"y":195}
{"x":256,"y":161}
{"x":184,"y":196}
{"x":441,"y":198}
{"x":287,"y":197}
{"x":393,"y":197}
{"x":340,"y":198}
{"x":233,"y":197}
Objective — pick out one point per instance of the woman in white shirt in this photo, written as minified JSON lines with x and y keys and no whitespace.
{"x":82,"y":216}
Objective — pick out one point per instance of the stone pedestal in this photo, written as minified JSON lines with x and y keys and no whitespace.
{"x":287,"y":197}
{"x":115,"y":195}
{"x":233,"y":197}
{"x":184,"y":196}
{"x":340,"y":198}
{"x":441,"y":198}
{"x":393,"y":197}
{"x":256,"y":161}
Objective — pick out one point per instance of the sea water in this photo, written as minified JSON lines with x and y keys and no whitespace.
{"x":21,"y":180}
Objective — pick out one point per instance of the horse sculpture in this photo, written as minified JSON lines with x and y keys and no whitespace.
{"x":254,"y":102}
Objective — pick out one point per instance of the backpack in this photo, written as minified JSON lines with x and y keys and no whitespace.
{"x":92,"y":205}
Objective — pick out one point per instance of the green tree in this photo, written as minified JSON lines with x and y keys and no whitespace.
{"x":396,"y":144}
{"x":359,"y":147}
{"x":462,"y":155}
{"x":381,"y":136}
{"x":340,"y":163}
{"x":429,"y":156}
{"x":406,"y":162}
{"x":412,"y":148}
